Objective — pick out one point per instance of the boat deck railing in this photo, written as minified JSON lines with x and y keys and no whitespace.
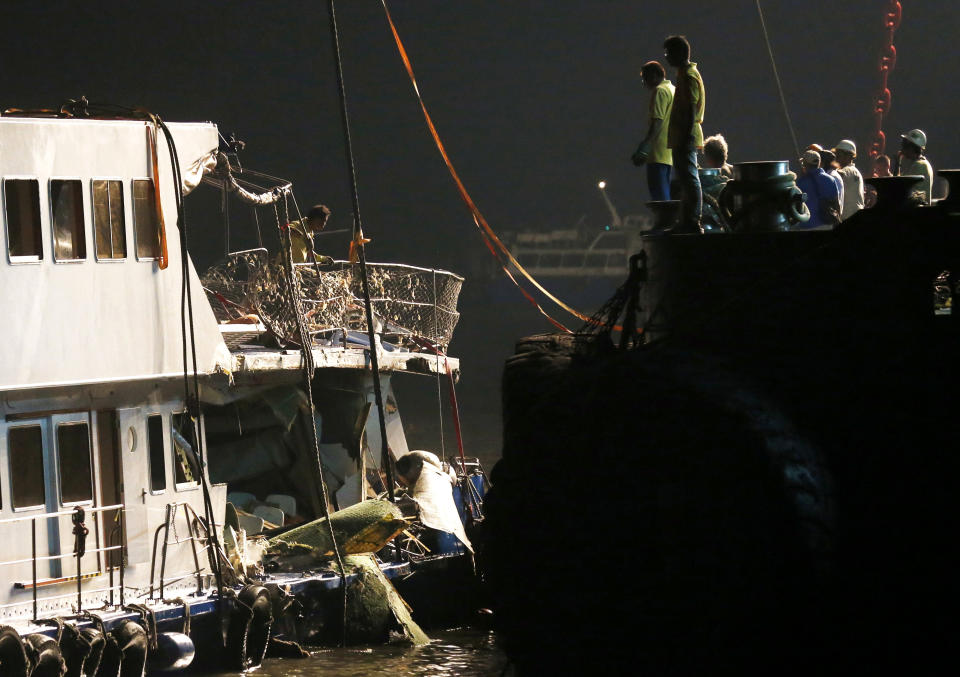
{"x":78,"y":515}
{"x":410,"y":304}
{"x":194,"y":526}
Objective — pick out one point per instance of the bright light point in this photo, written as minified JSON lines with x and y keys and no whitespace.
{"x":602,"y":185}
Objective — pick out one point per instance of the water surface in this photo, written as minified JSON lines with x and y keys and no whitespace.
{"x":465,"y":651}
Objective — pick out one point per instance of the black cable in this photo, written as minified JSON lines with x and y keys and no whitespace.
{"x":358,"y":239}
{"x":306,"y":352}
{"x":186,"y":320}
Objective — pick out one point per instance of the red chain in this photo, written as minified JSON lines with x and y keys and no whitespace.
{"x":888,"y":60}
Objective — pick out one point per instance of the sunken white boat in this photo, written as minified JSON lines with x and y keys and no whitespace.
{"x":136,"y":397}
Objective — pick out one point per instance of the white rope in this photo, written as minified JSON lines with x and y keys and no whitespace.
{"x":776,"y":75}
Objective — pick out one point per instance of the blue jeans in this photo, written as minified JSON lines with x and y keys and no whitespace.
{"x":658,"y":180}
{"x":691,"y":196}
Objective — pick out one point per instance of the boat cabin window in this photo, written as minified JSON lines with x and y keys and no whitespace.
{"x":108,"y":222}
{"x":158,"y":469}
{"x":25,"y":446}
{"x":21,"y":199}
{"x":145,"y":220}
{"x":66,"y":210}
{"x":184,"y":434}
{"x":73,"y":452}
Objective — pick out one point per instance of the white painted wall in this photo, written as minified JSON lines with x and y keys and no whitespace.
{"x":90,"y":321}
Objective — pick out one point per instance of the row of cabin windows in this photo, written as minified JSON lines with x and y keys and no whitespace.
{"x":68,"y":218}
{"x":25,"y":448}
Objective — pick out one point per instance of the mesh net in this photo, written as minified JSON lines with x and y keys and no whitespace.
{"x":409,"y":303}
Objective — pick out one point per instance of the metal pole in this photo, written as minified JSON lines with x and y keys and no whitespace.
{"x":33,"y":540}
{"x":122,"y":559}
{"x":358,"y":243}
{"x":79,"y":583}
{"x":108,"y":559}
{"x":171,"y":507}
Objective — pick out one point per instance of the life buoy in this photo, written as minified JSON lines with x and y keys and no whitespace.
{"x":125,"y":651}
{"x":249,"y":630}
{"x":45,"y":656}
{"x":13,"y":655}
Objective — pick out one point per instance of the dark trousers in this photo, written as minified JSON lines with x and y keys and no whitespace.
{"x":658,"y":180}
{"x":691,"y":196}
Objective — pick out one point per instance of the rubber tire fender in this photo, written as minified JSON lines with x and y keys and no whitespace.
{"x":90,"y":659}
{"x":249,"y":631}
{"x":44,"y":653}
{"x":13,"y":655}
{"x":125,"y":651}
{"x":75,"y":650}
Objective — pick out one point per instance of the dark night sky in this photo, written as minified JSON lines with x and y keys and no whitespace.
{"x":535,"y":101}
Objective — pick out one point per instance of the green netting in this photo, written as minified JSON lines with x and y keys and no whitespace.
{"x":362,"y":528}
{"x":375,"y":610}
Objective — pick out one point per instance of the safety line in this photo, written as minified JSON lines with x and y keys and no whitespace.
{"x":776,"y":75}
{"x":489,"y":236}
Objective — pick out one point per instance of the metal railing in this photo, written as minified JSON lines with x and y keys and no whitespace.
{"x":193,"y":523}
{"x":80,"y":531}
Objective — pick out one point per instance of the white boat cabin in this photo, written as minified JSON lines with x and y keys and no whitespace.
{"x":92,"y":407}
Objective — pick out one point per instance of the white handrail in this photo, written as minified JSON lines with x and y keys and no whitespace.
{"x":66,"y":554}
{"x":62,"y":513}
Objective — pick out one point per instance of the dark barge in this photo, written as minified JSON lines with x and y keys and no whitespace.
{"x":764,"y":483}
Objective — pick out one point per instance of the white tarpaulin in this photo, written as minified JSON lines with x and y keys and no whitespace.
{"x":433,"y":493}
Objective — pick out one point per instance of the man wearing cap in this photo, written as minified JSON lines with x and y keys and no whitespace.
{"x":853,"y":201}
{"x":820,"y":193}
{"x":653,"y":149}
{"x":914,"y":163}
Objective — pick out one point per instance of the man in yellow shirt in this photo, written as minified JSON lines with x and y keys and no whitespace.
{"x":685,"y":134}
{"x":301,"y":235}
{"x":653,"y":149}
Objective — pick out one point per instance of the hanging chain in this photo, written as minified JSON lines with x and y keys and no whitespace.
{"x":888,"y":60}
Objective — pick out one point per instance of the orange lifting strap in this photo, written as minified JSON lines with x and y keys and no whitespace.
{"x":489,"y":236}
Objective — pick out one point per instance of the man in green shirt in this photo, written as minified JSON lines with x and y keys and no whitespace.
{"x":685,"y":134}
{"x":653,"y":150}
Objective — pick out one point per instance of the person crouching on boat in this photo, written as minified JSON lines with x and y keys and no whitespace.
{"x":431,"y":491}
{"x":914,"y":163}
{"x":302,"y":232}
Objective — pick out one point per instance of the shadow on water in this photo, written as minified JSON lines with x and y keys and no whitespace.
{"x":458,"y":652}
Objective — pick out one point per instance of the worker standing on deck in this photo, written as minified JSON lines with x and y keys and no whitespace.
{"x":846,"y":152}
{"x":685,"y":135}
{"x":914,"y":163}
{"x":301,"y":235}
{"x":827,"y":162}
{"x":653,"y":149}
{"x":820,"y":193}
